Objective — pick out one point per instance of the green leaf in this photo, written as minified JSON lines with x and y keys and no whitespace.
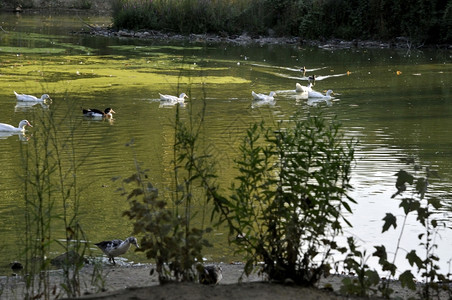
{"x":407,"y":280}
{"x":414,"y":259}
{"x":409,"y":205}
{"x":372,"y":277}
{"x":403,"y":177}
{"x":380,"y":252}
{"x":435,"y":202}
{"x":421,"y":186}
{"x":434,"y":223}
{"x":390,"y":220}
{"x":387,"y":266}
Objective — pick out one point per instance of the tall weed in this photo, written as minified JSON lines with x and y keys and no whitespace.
{"x":52,"y":203}
{"x":171,"y":236}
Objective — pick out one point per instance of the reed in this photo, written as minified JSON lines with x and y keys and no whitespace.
{"x":52,"y":204}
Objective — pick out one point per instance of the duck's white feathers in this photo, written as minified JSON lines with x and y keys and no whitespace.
{"x":24,"y":97}
{"x":263,"y":97}
{"x":173,"y":99}
{"x":10,"y":128}
{"x":303,"y":89}
{"x":315,"y":94}
{"x":96,"y":113}
{"x":115,"y":248}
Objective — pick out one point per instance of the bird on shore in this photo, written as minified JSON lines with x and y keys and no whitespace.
{"x":24,"y":97}
{"x":10,"y":128}
{"x":210,"y":274}
{"x":115,"y":248}
{"x":315,"y":94}
{"x":174,"y":99}
{"x":263,"y":97}
{"x":303,"y":89}
{"x":95,"y":113}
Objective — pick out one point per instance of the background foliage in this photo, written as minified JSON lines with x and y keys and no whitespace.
{"x":420,"y":21}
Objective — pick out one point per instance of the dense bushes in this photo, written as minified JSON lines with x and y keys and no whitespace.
{"x":290,"y":198}
{"x":421,"y":21}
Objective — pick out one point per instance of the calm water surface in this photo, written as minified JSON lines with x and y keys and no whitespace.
{"x":394,"y":117}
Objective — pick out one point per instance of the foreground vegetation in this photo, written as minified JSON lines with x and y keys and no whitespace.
{"x":292,"y":187}
{"x":420,"y":21}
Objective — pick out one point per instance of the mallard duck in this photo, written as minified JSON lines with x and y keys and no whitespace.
{"x":10,"y":128}
{"x":173,"y":99}
{"x":95,"y":113}
{"x":315,"y":94}
{"x":210,"y":274}
{"x":303,"y":89}
{"x":263,"y":97}
{"x":115,"y":248}
{"x":303,"y":71}
{"x":24,"y":97}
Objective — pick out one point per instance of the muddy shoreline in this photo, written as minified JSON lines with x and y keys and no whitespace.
{"x":103,"y":8}
{"x":136,"y":281}
{"x":246,"y":39}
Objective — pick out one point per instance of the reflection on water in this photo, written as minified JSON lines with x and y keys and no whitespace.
{"x":25,"y":106}
{"x":393,"y":115}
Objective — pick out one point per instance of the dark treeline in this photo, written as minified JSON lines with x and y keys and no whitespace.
{"x":419,"y":21}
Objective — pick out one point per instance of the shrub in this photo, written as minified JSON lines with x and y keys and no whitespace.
{"x":288,"y":204}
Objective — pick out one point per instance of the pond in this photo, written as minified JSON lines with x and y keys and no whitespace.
{"x":396,"y":102}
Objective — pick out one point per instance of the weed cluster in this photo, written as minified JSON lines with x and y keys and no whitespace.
{"x":424,"y":206}
{"x":170,"y":236}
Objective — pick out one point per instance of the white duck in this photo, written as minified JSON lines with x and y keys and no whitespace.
{"x":263,"y":97}
{"x":10,"y":128}
{"x":315,"y":94}
{"x":116,"y":247}
{"x":24,"y":97}
{"x":173,"y":99}
{"x":303,"y":89}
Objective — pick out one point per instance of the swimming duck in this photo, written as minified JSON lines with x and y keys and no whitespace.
{"x":174,"y":99}
{"x":116,"y":247}
{"x":11,"y":128}
{"x":95,"y":113}
{"x":24,"y":97}
{"x":315,"y":94}
{"x":303,"y":71}
{"x":303,"y":89}
{"x":263,"y":97}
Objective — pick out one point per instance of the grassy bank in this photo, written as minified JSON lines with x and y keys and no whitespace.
{"x":420,"y":21}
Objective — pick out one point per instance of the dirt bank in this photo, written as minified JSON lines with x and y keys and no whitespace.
{"x":125,"y":281}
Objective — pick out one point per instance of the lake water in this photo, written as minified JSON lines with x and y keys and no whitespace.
{"x":397,"y":103}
